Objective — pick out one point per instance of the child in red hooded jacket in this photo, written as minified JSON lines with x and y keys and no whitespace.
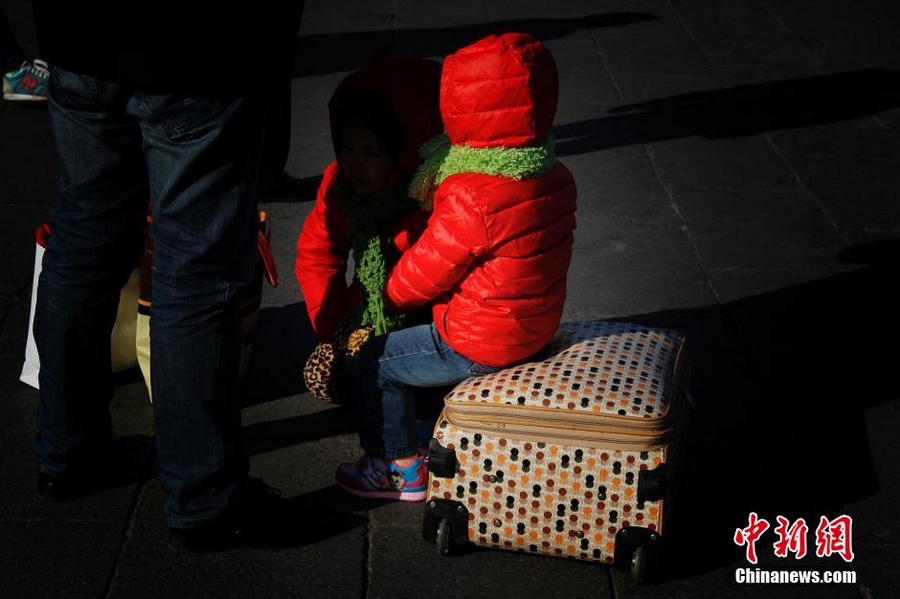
{"x":492,"y":262}
{"x":380,"y":115}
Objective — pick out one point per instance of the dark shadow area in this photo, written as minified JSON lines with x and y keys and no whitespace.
{"x":39,"y":106}
{"x":282,"y":342}
{"x":339,"y":500}
{"x":737,"y":111}
{"x":781,"y":382}
{"x":321,"y":54}
{"x":271,"y":435}
{"x":332,"y":511}
{"x":329,"y":512}
{"x":129,"y":461}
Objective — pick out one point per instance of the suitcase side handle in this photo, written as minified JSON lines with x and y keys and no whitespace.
{"x":442,"y":460}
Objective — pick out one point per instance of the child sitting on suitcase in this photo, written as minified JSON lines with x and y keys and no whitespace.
{"x":492,"y":261}
{"x":380,"y":115}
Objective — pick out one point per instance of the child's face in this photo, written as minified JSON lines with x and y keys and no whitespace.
{"x":363,"y":160}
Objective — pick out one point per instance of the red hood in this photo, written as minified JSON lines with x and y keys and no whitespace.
{"x":411,"y":87}
{"x":499,"y":91}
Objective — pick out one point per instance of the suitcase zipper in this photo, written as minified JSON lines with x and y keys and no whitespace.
{"x":562,"y":427}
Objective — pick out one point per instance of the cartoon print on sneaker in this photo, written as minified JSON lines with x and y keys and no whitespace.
{"x":396,"y":480}
{"x":384,"y":479}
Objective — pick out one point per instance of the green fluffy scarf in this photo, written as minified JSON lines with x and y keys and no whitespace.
{"x":441,"y":159}
{"x":369,"y":225}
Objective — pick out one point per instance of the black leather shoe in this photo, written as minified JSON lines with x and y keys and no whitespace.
{"x":51,"y":488}
{"x":259,"y":519}
{"x":116,"y":463}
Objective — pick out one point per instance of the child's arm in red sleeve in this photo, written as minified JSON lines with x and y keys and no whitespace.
{"x":321,"y":265}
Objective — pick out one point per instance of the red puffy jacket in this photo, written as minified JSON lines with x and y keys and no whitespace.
{"x":496,"y":252}
{"x":323,"y":247}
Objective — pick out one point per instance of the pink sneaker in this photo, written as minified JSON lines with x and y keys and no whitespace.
{"x":384,"y":479}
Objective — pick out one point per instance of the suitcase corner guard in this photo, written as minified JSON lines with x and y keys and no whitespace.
{"x":442,"y":461}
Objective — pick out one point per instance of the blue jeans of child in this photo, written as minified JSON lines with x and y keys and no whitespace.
{"x":196,"y":161}
{"x":389,"y":368}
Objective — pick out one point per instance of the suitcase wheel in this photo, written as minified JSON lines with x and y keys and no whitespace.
{"x":442,"y":537}
{"x":639,"y":565}
{"x":446,"y":525}
{"x":639,"y":551}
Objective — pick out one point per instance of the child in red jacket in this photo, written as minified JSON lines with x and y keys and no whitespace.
{"x":380,"y":115}
{"x":492,"y":262}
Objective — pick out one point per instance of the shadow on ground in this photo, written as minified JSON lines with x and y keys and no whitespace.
{"x":780,"y":382}
{"x":282,"y":342}
{"x":321,"y":54}
{"x":737,"y":111}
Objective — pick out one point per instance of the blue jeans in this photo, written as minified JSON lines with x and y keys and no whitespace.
{"x":389,"y":368}
{"x":196,"y":161}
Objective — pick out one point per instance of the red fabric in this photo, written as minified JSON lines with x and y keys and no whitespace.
{"x":42,"y":234}
{"x":323,"y":247}
{"x":496,"y":252}
{"x":499,"y":91}
{"x":322,"y":251}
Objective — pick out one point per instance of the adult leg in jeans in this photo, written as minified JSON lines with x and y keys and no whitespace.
{"x":201,"y":163}
{"x":389,"y":368}
{"x":94,"y":244}
{"x":203,"y":159}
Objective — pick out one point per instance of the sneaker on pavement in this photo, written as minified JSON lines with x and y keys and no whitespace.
{"x":377,"y":478}
{"x":28,"y":83}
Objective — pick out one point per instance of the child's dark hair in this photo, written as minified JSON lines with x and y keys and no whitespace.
{"x":368,"y":109}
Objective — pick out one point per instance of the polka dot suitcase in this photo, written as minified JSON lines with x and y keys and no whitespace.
{"x":572,"y":455}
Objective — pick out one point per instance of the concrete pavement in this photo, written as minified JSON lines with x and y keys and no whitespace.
{"x":737,"y":165}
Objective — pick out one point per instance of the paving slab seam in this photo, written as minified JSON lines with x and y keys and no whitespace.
{"x":609,"y":74}
{"x":787,"y":30}
{"x":130,"y":523}
{"x":367,"y":562}
{"x":803,"y":186}
{"x":673,"y":205}
{"x":700,"y":48}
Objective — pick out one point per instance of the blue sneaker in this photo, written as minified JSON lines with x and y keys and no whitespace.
{"x":28,"y":83}
{"x":384,"y":479}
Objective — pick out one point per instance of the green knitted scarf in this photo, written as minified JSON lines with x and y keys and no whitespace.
{"x":441,"y":159}
{"x":369,"y":225}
